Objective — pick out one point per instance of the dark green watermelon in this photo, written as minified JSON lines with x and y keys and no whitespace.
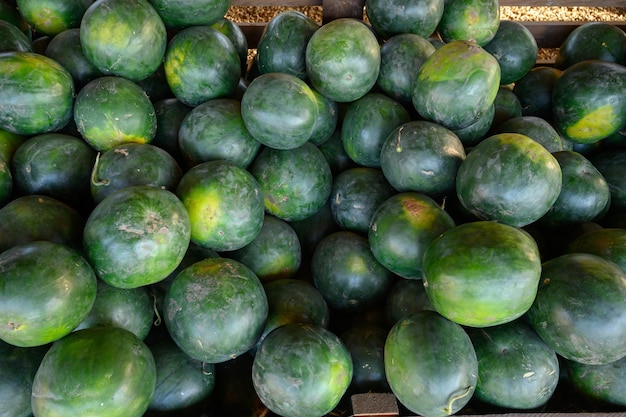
{"x":57,"y":165}
{"x":607,"y":242}
{"x":283,"y":42}
{"x":47,"y":289}
{"x":355,"y":196}
{"x":366,"y":124}
{"x":112,"y":110}
{"x":592,"y":40}
{"x":170,"y":113}
{"x":137,"y":236}
{"x":536,"y":128}
{"x":482,"y":273}
{"x":6,"y":182}
{"x":406,"y":296}
{"x":400,"y":57}
{"x":534,"y":91}
{"x":612,"y":164}
{"x":602,"y":383}
{"x":274,"y":253}
{"x":456,"y":85}
{"x":36,"y":93}
{"x":589,"y":101}
{"x":37,"y":217}
{"x":470,"y":20}
{"x":13,"y":39}
{"x":129,"y":308}
{"x":423,"y":157}
{"x":123,"y":38}
{"x":102,"y":370}
{"x":301,"y":370}
{"x":515,"y":48}
{"x":215,"y":309}
{"x":224,"y":203}
{"x":201,"y":63}
{"x":184,"y":13}
{"x":51,"y":17}
{"x":366,"y":345}
{"x":347,"y":274}
{"x":389,"y":18}
{"x":67,"y":50}
{"x":402,"y":228}
{"x":579,"y":310}
{"x":295,"y":183}
{"x":131,"y":164}
{"x":236,"y":35}
{"x":510,"y":178}
{"x":183,"y":384}
{"x":327,"y":121}
{"x":430,"y":364}
{"x":343,"y":59}
{"x":516,"y":369}
{"x":507,"y":106}
{"x":279,"y":110}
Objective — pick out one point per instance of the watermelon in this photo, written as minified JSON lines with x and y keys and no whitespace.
{"x":471,"y":20}
{"x":184,"y":13}
{"x":405,"y":296}
{"x":279,"y":110}
{"x":423,"y":157}
{"x":274,"y":253}
{"x":47,"y":289}
{"x":579,"y":310}
{"x":335,"y":154}
{"x":596,"y":107}
{"x":366,"y":124}
{"x":238,"y":38}
{"x":516,"y":369}
{"x":66,"y":49}
{"x":37,"y":217}
{"x":13,"y":39}
{"x":430,"y":363}
{"x":515,"y":48}
{"x":170,"y":113}
{"x":510,"y":178}
{"x":402,"y":228}
{"x":592,"y":40}
{"x":389,"y":18}
{"x":342,"y":59}
{"x":536,"y":128}
{"x":133,"y":164}
{"x":215,"y":309}
{"x":507,"y":106}
{"x":584,"y":194}
{"x":215,"y":129}
{"x":347,"y":274}
{"x":136,"y":236}
{"x":201,"y":63}
{"x":400,"y":57}
{"x":98,"y":371}
{"x":183,"y":384}
{"x":606,"y":242}
{"x":128,"y":308}
{"x":112,"y":110}
{"x":534,"y":91}
{"x":51,"y":17}
{"x":295,"y":183}
{"x":292,"y":300}
{"x":224,"y":203}
{"x":482,"y":273}
{"x":327,"y":121}
{"x":602,"y":383}
{"x":611,"y":164}
{"x":456,"y":85}
{"x":301,"y":370}
{"x":283,"y":42}
{"x":57,"y":165}
{"x":6,"y":182}
{"x":18,"y":366}
{"x":124,"y":38}
{"x":366,"y":345}
{"x":8,"y":144}
{"x":355,"y":196}
{"x":36,"y":93}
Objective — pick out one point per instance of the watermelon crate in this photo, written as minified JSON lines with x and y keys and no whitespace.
{"x":399,"y":208}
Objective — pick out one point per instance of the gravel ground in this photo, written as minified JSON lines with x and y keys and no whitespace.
{"x":519,"y":13}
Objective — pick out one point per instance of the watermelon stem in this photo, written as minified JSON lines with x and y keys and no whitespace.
{"x":157,"y":321}
{"x":94,"y":171}
{"x":448,"y":409}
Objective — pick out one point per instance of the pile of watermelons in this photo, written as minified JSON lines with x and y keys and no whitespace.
{"x":409,"y":205}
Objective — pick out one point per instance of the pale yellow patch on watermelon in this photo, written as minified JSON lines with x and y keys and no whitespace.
{"x":594,"y":126}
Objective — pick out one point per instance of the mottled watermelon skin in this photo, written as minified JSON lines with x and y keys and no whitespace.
{"x":47,"y":289}
{"x":215,"y":309}
{"x":183,"y":13}
{"x":430,"y":364}
{"x":53,"y":17}
{"x":13,"y":39}
{"x":123,"y":38}
{"x":225,"y":205}
{"x":93,"y":371}
{"x":6,"y":182}
{"x":36,"y":93}
{"x":390,"y":18}
{"x":474,"y":20}
{"x":456,"y":84}
{"x":137,"y":236}
{"x":301,"y":370}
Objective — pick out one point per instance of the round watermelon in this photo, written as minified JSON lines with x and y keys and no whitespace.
{"x":184,"y":13}
{"x":66,"y":49}
{"x":51,"y":17}
{"x":471,"y":20}
{"x":417,"y":17}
